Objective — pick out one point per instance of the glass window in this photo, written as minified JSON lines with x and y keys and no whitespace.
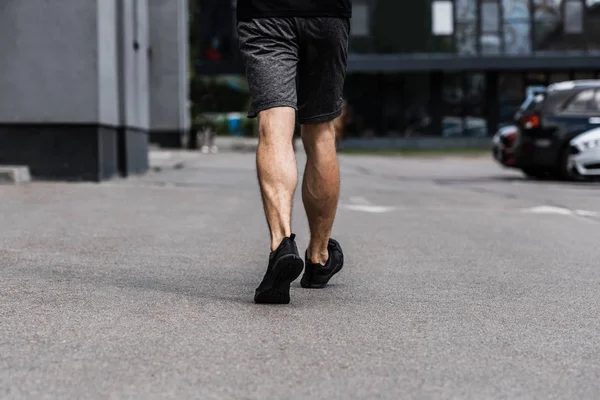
{"x":363,"y":97}
{"x":515,"y":10}
{"x":582,"y":102}
{"x":475,"y":122}
{"x":466,"y":27}
{"x":453,"y":99}
{"x":517,"y":37}
{"x":361,"y":34}
{"x":517,"y":26}
{"x":573,"y":22}
{"x":393,"y":99}
{"x":592,"y":25}
{"x":443,"y":18}
{"x":511,"y":93}
{"x":417,"y":116}
{"x":466,"y":39}
{"x":388,"y":105}
{"x":402,"y":26}
{"x":360,"y":19}
{"x":490,"y":16}
{"x":547,"y":20}
{"x":464,"y":113}
{"x":559,"y":25}
{"x":466,"y":11}
{"x":490,"y":41}
{"x":597,"y":99}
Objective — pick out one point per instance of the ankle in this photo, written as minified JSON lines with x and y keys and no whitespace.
{"x":318,"y":256}
{"x":276,"y":240}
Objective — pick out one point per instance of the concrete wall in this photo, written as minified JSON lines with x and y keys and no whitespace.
{"x":134,"y":64}
{"x":108,"y":65}
{"x":75,"y":63}
{"x":75,"y":83}
{"x":169,"y":65}
{"x":49,"y":61}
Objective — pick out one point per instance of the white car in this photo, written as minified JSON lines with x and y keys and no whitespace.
{"x":584,"y":157}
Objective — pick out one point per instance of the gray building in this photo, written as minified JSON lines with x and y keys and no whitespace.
{"x":85,"y":84}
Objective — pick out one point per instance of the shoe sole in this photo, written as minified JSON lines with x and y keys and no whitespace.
{"x":286,"y":270}
{"x":311,"y":285}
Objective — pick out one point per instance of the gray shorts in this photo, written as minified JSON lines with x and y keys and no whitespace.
{"x":296,"y":62}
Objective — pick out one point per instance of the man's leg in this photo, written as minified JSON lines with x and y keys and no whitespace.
{"x":277,"y":169}
{"x":278,"y":178}
{"x":270,"y":50}
{"x":320,"y":187}
{"x":324,"y":44}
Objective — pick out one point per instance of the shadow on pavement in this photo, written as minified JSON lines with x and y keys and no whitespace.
{"x":226,"y":288}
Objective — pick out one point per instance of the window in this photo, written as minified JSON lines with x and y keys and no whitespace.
{"x":463,"y":105}
{"x":442,"y":18}
{"x":582,"y":102}
{"x":360,"y":19}
{"x":490,"y":40}
{"x":466,"y":27}
{"x":511,"y":90}
{"x":466,"y":39}
{"x":573,"y":23}
{"x":597,"y":100}
{"x":517,"y":26}
{"x":547,"y":19}
{"x":592,"y":25}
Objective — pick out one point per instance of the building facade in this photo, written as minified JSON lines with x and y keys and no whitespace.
{"x":83,"y":84}
{"x":442,"y":68}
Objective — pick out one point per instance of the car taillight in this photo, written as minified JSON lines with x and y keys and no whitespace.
{"x":530,"y":121}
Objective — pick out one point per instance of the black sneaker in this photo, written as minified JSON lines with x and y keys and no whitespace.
{"x":316,"y":276}
{"x":285,"y":265}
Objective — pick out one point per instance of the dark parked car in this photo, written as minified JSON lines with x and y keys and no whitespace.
{"x":505,"y":139}
{"x":503,"y":146}
{"x":549,"y":123}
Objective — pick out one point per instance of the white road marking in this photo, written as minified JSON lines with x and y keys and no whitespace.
{"x":560,"y":211}
{"x":360,"y":203}
{"x":367,"y":208}
{"x":548,"y":210}
{"x":585,"y":213}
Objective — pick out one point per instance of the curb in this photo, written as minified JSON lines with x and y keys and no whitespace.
{"x":14,"y":174}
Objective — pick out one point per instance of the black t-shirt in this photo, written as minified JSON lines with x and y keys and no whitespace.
{"x":247,"y":9}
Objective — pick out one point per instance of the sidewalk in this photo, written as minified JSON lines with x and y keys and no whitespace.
{"x":244,"y":144}
{"x":161,"y":159}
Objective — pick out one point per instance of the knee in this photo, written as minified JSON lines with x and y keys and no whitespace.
{"x":323,"y":131}
{"x":319,"y":136}
{"x":276,"y":124}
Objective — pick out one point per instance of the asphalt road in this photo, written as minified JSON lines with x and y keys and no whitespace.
{"x":462,"y":280}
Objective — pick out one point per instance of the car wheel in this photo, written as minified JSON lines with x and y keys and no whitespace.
{"x":566,"y":170}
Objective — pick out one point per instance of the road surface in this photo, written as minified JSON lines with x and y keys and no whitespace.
{"x":462,"y":280}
